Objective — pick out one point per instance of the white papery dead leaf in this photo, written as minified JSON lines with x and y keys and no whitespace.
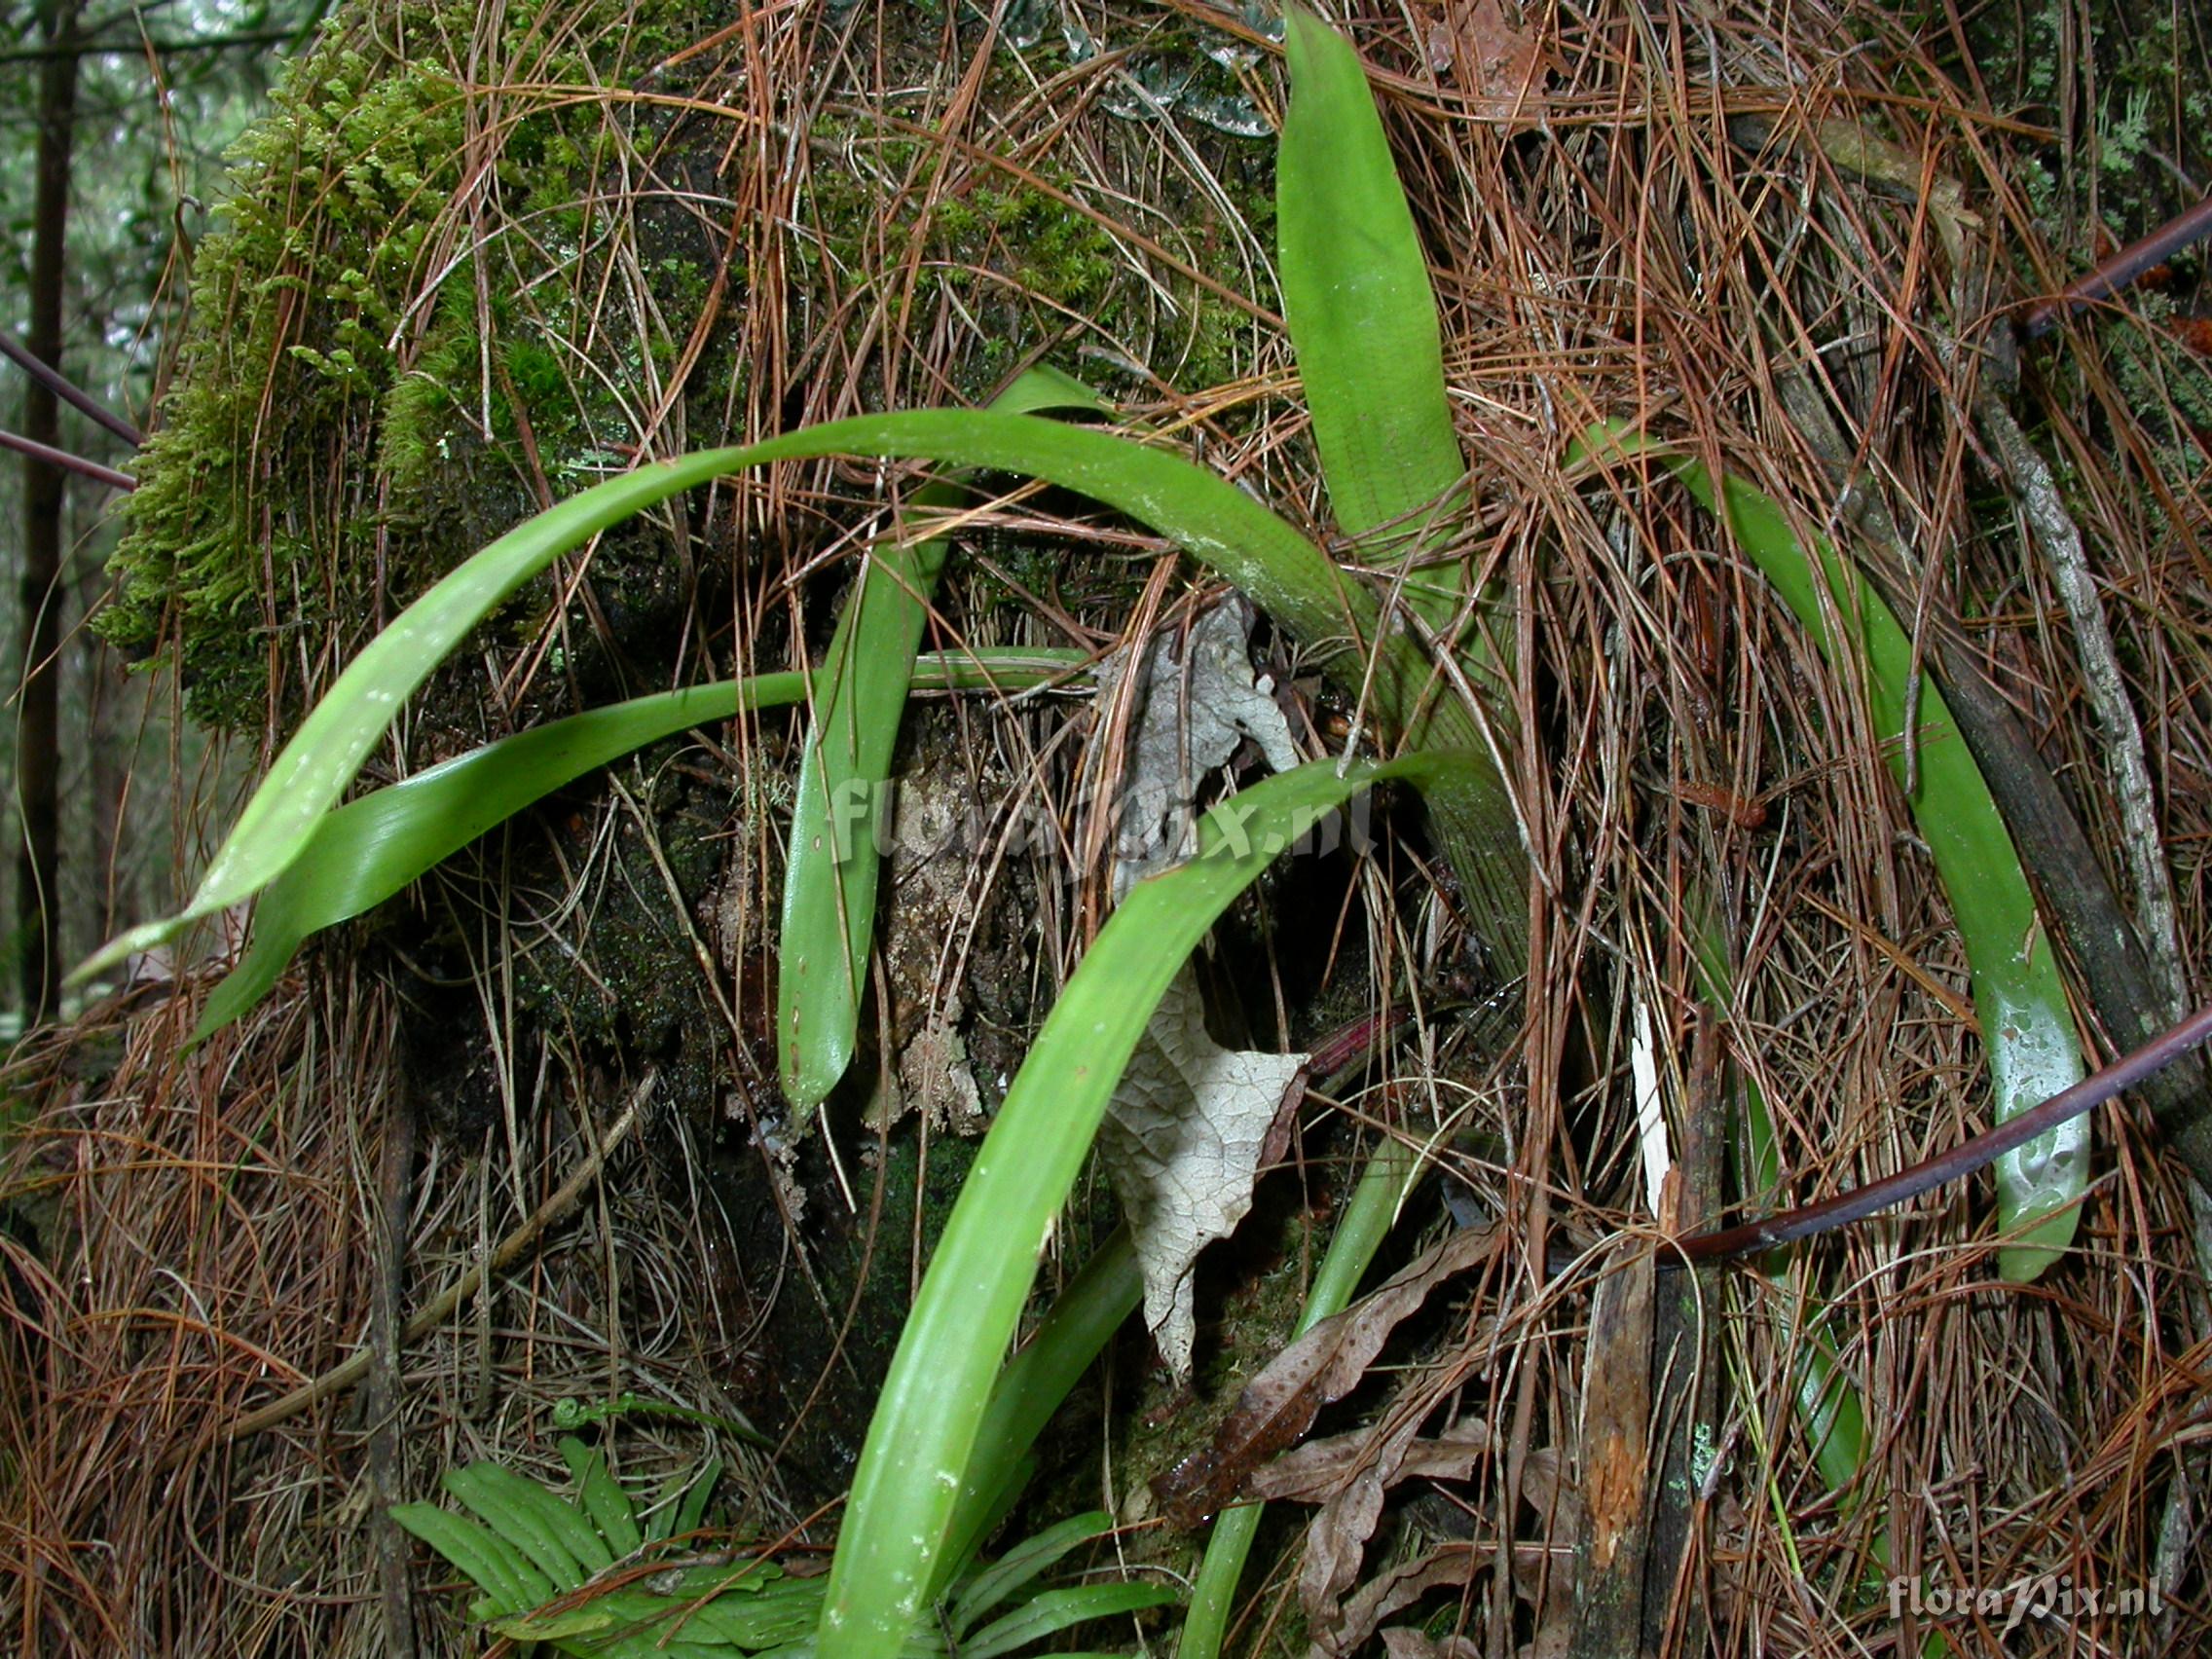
{"x":1183,"y":1136}
{"x":1182,"y":1144}
{"x":1200,"y":701}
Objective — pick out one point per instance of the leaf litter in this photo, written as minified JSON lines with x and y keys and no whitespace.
{"x":1279,"y":1405}
{"x":1255,"y":1454}
{"x":1189,"y":1124}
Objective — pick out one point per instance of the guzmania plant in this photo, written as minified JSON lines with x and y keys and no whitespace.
{"x":1402,"y":638}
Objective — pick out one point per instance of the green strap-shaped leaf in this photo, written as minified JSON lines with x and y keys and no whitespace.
{"x":785,"y":1611}
{"x":566,"y":1547}
{"x":603,"y":1497}
{"x":693,"y":1509}
{"x":1363,"y":323}
{"x":1356,"y":295}
{"x":909,"y":1480}
{"x":1081,"y":1321}
{"x":1210,"y":518}
{"x":1023,"y":1566}
{"x":2018,"y":995}
{"x":1827,"y":1399}
{"x":362,"y":853}
{"x":859,"y":698}
{"x":1052,"y":1611}
{"x":574,"y":1630}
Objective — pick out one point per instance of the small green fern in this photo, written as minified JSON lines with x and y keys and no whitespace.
{"x":579,"y":1574}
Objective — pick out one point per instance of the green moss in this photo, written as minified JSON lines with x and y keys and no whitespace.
{"x":1026,"y":265}
{"x":2150,"y":105}
{"x":1005,"y":250}
{"x":2167,"y":386}
{"x":320,"y":224}
{"x":1003,"y":242}
{"x":317,"y":411}
{"x":367,"y":393}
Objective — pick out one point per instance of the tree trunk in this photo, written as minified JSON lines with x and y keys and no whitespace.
{"x":38,"y":745}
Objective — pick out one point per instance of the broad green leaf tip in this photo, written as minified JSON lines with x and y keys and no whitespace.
{"x":1356,"y":296}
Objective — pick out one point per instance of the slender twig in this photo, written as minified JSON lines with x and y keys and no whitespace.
{"x":63,"y":388}
{"x":343,"y":1376}
{"x":1964,"y":1158}
{"x":66,"y":461}
{"x":2052,"y":532}
{"x":2122,"y":269}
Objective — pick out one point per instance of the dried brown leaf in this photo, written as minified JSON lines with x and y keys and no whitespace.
{"x":1502,"y":67}
{"x":1338,"y":1539}
{"x":1335,"y":1545}
{"x":1402,"y":1641}
{"x":1278,"y":1406}
{"x":1448,"y":1565}
{"x":1313,"y":1473}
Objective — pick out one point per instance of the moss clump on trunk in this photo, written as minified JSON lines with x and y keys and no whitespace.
{"x":457,"y":273}
{"x":358,"y":368}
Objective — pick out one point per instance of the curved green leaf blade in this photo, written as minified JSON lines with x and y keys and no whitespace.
{"x":1081,"y":1321}
{"x":831,"y":862}
{"x":1021,"y":1566}
{"x":323,"y":755}
{"x":1356,"y":295}
{"x":502,"y":1572}
{"x":785,"y":1612}
{"x":1826,"y":1398}
{"x":1364,"y":326}
{"x":558,"y":1540}
{"x":603,"y":1497}
{"x":364,"y":852}
{"x":367,"y":850}
{"x":1835,"y":1418}
{"x":2019,"y":996}
{"x":692,"y":1510}
{"x":1052,"y":1611}
{"x":572,"y":1631}
{"x":926,"y":1422}
{"x":1210,"y":518}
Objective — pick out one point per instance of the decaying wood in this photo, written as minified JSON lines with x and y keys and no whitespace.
{"x":1616,"y":1441}
{"x":1683,"y":1367}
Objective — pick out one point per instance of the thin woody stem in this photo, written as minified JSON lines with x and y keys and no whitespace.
{"x":1964,"y":1158}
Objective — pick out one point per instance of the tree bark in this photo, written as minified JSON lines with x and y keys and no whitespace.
{"x":38,"y":710}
